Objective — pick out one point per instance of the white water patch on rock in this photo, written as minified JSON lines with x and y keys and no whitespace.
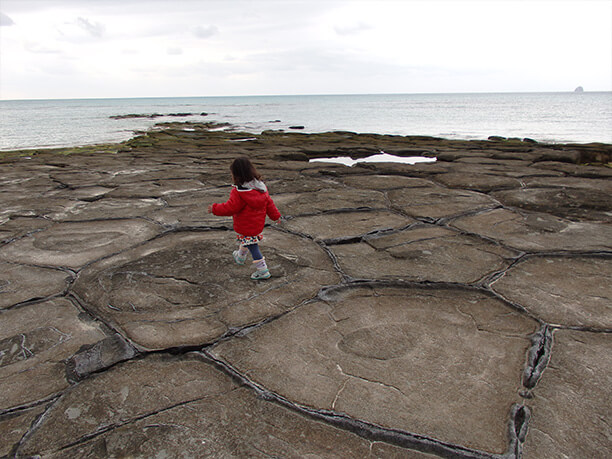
{"x":380,"y":158}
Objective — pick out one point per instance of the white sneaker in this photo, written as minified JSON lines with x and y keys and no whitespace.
{"x":261,"y":274}
{"x":240,"y":259}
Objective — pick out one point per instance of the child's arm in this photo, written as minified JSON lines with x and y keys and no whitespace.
{"x":272,"y":211}
{"x":232,"y":206}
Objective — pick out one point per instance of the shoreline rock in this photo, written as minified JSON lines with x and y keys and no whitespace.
{"x":412,"y":309}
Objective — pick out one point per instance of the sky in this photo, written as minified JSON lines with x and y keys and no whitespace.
{"x":58,"y":49}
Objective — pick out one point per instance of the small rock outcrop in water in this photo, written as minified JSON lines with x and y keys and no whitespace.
{"x":459,"y":308}
{"x":579,"y":89}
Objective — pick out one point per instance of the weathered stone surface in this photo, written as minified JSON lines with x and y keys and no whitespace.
{"x":105,"y":208}
{"x":20,"y":283}
{"x":581,"y":297}
{"x":573,"y":203}
{"x":571,"y":405}
{"x":477,"y":182}
{"x":422,"y":253}
{"x":437,"y":202}
{"x":347,"y":225}
{"x":13,"y":427}
{"x":34,"y":342}
{"x":329,"y":200}
{"x":537,"y":232}
{"x":99,"y":356}
{"x":380,"y":354}
{"x":385,"y":182}
{"x":191,"y":410}
{"x":384,"y":317}
{"x":17,"y":227}
{"x":184,"y":289}
{"x":73,"y":245}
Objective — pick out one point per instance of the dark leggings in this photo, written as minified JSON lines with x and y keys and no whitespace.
{"x":255,"y":252}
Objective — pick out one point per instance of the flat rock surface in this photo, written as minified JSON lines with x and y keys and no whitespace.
{"x":571,"y":407}
{"x":375,"y":353}
{"x":457,"y":308}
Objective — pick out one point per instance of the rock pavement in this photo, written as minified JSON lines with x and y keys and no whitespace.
{"x":459,"y":308}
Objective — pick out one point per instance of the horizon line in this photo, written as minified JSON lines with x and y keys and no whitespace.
{"x":306,"y":95}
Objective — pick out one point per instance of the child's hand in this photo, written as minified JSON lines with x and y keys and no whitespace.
{"x":210,"y":209}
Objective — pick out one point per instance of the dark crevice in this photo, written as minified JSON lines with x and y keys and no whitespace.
{"x":361,"y":428}
{"x":538,"y":356}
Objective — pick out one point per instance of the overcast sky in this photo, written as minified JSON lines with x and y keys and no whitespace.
{"x":156,"y":48}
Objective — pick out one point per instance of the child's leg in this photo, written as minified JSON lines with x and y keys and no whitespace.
{"x":255,"y":251}
{"x":240,"y":254}
{"x":260,"y":263}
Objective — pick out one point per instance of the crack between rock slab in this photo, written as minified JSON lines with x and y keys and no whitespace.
{"x":109,"y":428}
{"x":364,"y":429}
{"x":538,"y":356}
{"x":34,"y":425}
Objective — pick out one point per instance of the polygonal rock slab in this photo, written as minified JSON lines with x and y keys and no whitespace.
{"x":534,"y":232}
{"x":445,"y":363}
{"x":34,"y":342}
{"x":327,"y":200}
{"x":427,"y":253}
{"x":183,"y":407}
{"x":20,"y":283}
{"x":565,"y":202}
{"x":437,"y":202}
{"x":21,"y":226}
{"x":73,"y":245}
{"x":385,"y":182}
{"x":571,"y":405}
{"x":346,"y":225}
{"x":580,"y":297}
{"x":477,"y":182}
{"x":185,"y":288}
{"x":108,"y":208}
{"x":13,"y":427}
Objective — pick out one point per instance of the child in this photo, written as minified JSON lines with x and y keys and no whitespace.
{"x":248,"y":204}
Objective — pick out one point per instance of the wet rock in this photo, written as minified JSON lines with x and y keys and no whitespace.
{"x":184,"y":289}
{"x":73,"y":245}
{"x":580,"y":298}
{"x":380,"y":354}
{"x":571,"y":409}
{"x":20,"y":283}
{"x":34,"y":342}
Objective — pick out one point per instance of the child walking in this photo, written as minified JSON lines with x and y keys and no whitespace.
{"x":248,"y":204}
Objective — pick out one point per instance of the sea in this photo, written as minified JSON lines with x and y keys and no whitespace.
{"x":548,"y":117}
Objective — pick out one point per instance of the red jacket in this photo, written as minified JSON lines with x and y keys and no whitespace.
{"x":248,"y":204}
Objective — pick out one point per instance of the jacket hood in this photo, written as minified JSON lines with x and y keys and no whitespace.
{"x":253,"y":185}
{"x":254,"y":193}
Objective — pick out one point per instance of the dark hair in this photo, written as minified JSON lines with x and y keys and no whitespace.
{"x":243,"y":171}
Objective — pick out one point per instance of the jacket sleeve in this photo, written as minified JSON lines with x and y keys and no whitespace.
{"x":232,"y":206}
{"x":271,"y":210}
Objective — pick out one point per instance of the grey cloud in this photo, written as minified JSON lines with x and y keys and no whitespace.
{"x":94,"y":29}
{"x":174,"y":51}
{"x":352,"y":29}
{"x":5,"y":20}
{"x":205,"y":32}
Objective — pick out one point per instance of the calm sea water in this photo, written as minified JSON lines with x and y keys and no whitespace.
{"x":546,"y":117}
